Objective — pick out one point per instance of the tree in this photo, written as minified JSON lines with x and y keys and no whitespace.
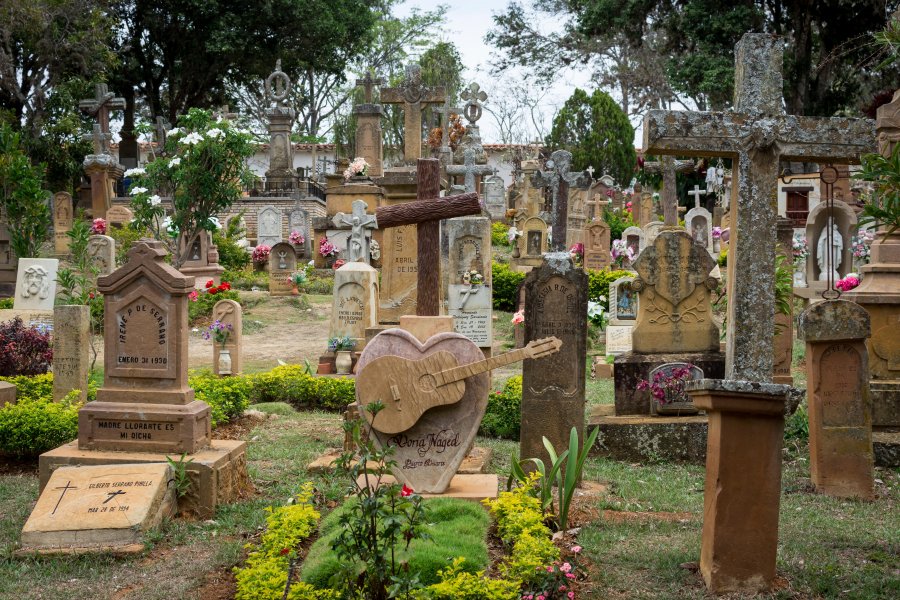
{"x":22,"y":197}
{"x":597,"y":133}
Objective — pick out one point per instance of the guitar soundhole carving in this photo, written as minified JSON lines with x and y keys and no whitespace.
{"x":427,"y":383}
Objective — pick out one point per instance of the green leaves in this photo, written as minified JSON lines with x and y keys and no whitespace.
{"x":22,"y":198}
{"x":882,"y":207}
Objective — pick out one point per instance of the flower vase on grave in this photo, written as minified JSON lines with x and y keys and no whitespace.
{"x":717,"y":245}
{"x":343,"y":361}
{"x":515,"y":252}
{"x":800,"y":277}
{"x":666,"y":386}
{"x":224,"y":361}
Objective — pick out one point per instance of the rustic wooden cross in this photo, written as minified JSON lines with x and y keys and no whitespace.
{"x":696,"y":192}
{"x":668,"y":166}
{"x":101,"y":105}
{"x":557,"y":179}
{"x":756,"y":135}
{"x":367,"y":83}
{"x":413,"y":95}
{"x":426,"y":213}
{"x":470,"y":170}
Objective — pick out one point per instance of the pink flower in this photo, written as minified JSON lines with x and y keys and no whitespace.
{"x":628,"y":205}
{"x":518,"y":318}
{"x":570,"y":575}
{"x":566,"y":568}
{"x":570,"y":595}
{"x":193,"y":296}
{"x":576,"y":549}
{"x":98,"y":226}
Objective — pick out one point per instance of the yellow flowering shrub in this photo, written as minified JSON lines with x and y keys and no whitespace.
{"x":456,"y":584}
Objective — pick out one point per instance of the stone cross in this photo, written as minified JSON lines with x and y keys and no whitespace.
{"x":557,"y":178}
{"x":426,"y":213}
{"x":590,"y":171}
{"x":358,"y":221}
{"x":99,"y":138}
{"x":756,"y":135}
{"x":413,"y":95}
{"x":367,"y":83}
{"x":101,"y":105}
{"x":668,"y":166}
{"x":474,"y":97}
{"x":696,"y":192}
{"x":470,"y":170}
{"x":224,"y":112}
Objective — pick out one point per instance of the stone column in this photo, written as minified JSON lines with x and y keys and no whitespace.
{"x":840,"y":419}
{"x":71,"y":350}
{"x":368,"y":136}
{"x":102,"y":175}
{"x":743,"y":482}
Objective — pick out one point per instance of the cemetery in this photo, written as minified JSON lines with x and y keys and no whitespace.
{"x":647,"y":347}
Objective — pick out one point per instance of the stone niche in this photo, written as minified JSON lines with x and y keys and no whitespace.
{"x":816,"y":223}
{"x":201,"y":260}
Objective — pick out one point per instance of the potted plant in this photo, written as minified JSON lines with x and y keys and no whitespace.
{"x":298,"y":278}
{"x":219,"y":332}
{"x":328,"y":251}
{"x":666,"y":387}
{"x":342,"y":345}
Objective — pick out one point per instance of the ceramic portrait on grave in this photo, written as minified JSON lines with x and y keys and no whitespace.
{"x":626,"y":303}
{"x":839,"y":254}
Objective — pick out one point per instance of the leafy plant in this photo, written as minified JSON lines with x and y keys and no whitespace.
{"x":502,"y":418}
{"x":500,"y":234}
{"x":24,"y":350}
{"x":505,"y":286}
{"x":23,"y":200}
{"x":77,"y":282}
{"x":618,"y":221}
{"x":35,"y":425}
{"x":180,"y":477}
{"x":341,"y":343}
{"x":544,"y":483}
{"x":882,"y":207}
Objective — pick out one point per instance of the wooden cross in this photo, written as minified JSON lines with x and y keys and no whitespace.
{"x":413,"y":95}
{"x":426,"y":213}
{"x":474,"y":97}
{"x":668,"y":166}
{"x":469,"y":170}
{"x":367,"y":83}
{"x":557,"y":178}
{"x":696,"y":194}
{"x":99,"y":138}
{"x":757,"y":135}
{"x":101,"y":105}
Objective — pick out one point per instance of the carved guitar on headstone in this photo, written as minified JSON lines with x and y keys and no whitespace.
{"x":407,"y":388}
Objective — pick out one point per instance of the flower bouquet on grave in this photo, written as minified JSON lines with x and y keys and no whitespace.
{"x":620,"y":253}
{"x":518,"y":318}
{"x":860,"y":245}
{"x":847,"y":283}
{"x":358,"y":168}
{"x":341,"y":343}
{"x":98,"y":226}
{"x":219,"y":332}
{"x":326,"y":248}
{"x":717,"y":233}
{"x":577,"y":253}
{"x":261,"y":253}
{"x":667,"y":391}
{"x":799,"y":250}
{"x":296,"y":238}
{"x":473,"y":278}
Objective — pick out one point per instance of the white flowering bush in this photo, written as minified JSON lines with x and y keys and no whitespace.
{"x":203,"y":172}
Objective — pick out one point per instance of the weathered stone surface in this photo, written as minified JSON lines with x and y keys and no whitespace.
{"x":399,"y":274}
{"x":355,"y":301}
{"x":414,"y":96}
{"x":201,"y":260}
{"x":268,"y":226}
{"x":282,"y":264}
{"x":119,"y":216}
{"x":368,"y":136}
{"x":71,"y":350}
{"x":553,"y":388}
{"x":833,"y":321}
{"x":229,"y":312}
{"x":648,"y":439}
{"x":494,"y":191}
{"x":99,"y":507}
{"x":36,"y":284}
{"x":886,"y":448}
{"x":102,"y":250}
{"x":632,"y":367}
{"x":596,"y":246}
{"x":673,"y":285}
{"x":218,"y":473}
{"x":7,"y":393}
{"x":62,"y":221}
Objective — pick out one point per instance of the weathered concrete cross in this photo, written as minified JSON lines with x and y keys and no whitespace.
{"x":696,"y":192}
{"x":470,"y":170}
{"x":101,"y":105}
{"x":558,"y":179}
{"x":426,"y":213}
{"x":367,"y":83}
{"x":413,"y":95}
{"x":358,"y":221}
{"x":474,"y":97}
{"x":668,"y":166}
{"x":756,"y":135}
{"x":99,"y":138}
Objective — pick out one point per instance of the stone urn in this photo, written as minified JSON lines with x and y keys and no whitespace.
{"x":677,"y":402}
{"x":224,"y":361}
{"x":515,"y":252}
{"x":343,"y":361}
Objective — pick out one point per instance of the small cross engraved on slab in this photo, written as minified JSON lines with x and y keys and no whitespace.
{"x":64,"y":489}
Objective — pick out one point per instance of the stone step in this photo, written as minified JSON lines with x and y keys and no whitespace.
{"x":648,"y":438}
{"x":886,"y":447}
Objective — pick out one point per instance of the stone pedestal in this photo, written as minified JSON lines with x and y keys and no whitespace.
{"x":103,"y":170}
{"x":355,"y":303}
{"x":840,"y":422}
{"x":339,"y":199}
{"x":368,"y":136}
{"x":630,"y":368}
{"x":71,"y":350}
{"x":281,"y":174}
{"x":743,"y":482}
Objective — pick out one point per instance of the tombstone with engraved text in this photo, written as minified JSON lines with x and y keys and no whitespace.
{"x":282,"y":264}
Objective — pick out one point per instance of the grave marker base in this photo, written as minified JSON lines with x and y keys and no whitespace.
{"x":144,"y":427}
{"x":467,"y":487}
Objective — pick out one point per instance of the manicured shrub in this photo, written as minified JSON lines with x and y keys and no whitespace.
{"x":457,"y":584}
{"x":231,"y":256}
{"x":598,"y":284}
{"x":206,"y":299}
{"x":499,"y":232}
{"x":503,"y":415}
{"x":33,"y":426}
{"x":505,"y":284}
{"x":228,"y":397}
{"x":292,"y":384}
{"x":23,"y":350}
{"x":6,"y":303}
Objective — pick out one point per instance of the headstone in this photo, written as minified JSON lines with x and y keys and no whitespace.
{"x":282,"y":263}
{"x":698,"y":222}
{"x":468,"y":248}
{"x":533,"y":242}
{"x":399,"y":277}
{"x":298,"y":220}
{"x":596,"y":246}
{"x":71,"y":350}
{"x":201,"y":260}
{"x":818,"y":221}
{"x":100,"y":507}
{"x":62,"y":221}
{"x":675,"y":310}
{"x":494,"y":192}
{"x":623,"y":302}
{"x":229,"y":312}
{"x":102,"y":250}
{"x":368,"y":127}
{"x":651,"y":230}
{"x":840,"y":418}
{"x":553,"y":389}
{"x":119,"y":216}
{"x":36,"y":284}
{"x":634,"y":239}
{"x":268,"y":226}
{"x":355,"y":301}
{"x":145,"y":403}
{"x":361,"y":225}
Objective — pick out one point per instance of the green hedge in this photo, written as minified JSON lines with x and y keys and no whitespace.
{"x":35,"y":425}
{"x":503,"y":415}
{"x":505,"y":284}
{"x":294,"y":385}
{"x":598,"y":284}
{"x":499,"y":234}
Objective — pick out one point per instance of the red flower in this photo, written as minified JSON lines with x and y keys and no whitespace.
{"x":285,"y":551}
{"x":213,"y":290}
{"x":209,"y":284}
{"x":406,"y":491}
{"x":91,"y":295}
{"x":224,"y":286}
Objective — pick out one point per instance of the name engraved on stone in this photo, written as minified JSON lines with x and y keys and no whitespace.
{"x":142,"y":336}
{"x":555,"y":306}
{"x":436,"y":443}
{"x":350,"y":310}
{"x":838,"y":387}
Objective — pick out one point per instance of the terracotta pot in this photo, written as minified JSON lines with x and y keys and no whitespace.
{"x":343,"y":362}
{"x":295,"y":291}
{"x":325,"y":368}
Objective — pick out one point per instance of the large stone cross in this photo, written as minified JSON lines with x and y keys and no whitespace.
{"x":426,"y":213}
{"x":696,"y":193}
{"x":557,"y":178}
{"x":101,"y":105}
{"x":367,"y":83}
{"x":413,"y":95}
{"x":474,"y":97}
{"x":668,"y":166}
{"x":756,"y":135}
{"x":358,"y":221}
{"x":99,"y":138}
{"x":469,"y":170}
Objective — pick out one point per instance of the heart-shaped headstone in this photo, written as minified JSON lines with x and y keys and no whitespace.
{"x":429,"y":453}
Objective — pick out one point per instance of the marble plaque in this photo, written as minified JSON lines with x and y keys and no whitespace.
{"x":470,"y":307}
{"x":36,"y":284}
{"x":618,"y":339}
{"x":268,"y":226}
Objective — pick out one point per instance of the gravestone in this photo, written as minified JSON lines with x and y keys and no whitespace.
{"x":816,"y":223}
{"x":145,"y":403}
{"x":62,"y":221}
{"x":840,"y":418}
{"x":651,"y":231}
{"x":268,"y":226}
{"x":467,"y":246}
{"x":533,"y":243}
{"x":361,"y":225}
{"x":553,"y":389}
{"x":119,"y":216}
{"x":298,"y":220}
{"x":596,"y":246}
{"x":354,"y":307}
{"x":634,"y":239}
{"x":71,"y":350}
{"x":280,"y":175}
{"x":494,"y":192}
{"x":399,"y":277}
{"x":368,"y":126}
{"x":102,"y":250}
{"x":201,"y":260}
{"x":282,"y":263}
{"x":698,"y":222}
{"x":36,"y":284}
{"x":229,"y":312}
{"x":100,"y":508}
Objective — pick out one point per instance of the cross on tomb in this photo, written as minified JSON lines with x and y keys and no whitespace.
{"x":413,"y":95}
{"x":99,"y":138}
{"x":426,"y":213}
{"x":756,"y":135}
{"x":470,"y":170}
{"x":696,"y":194}
{"x":358,"y":221}
{"x":590,"y":170}
{"x":278,"y":86}
{"x":101,"y":105}
{"x":224,"y":112}
{"x":367,"y":83}
{"x":111,"y":495}
{"x":557,"y":179}
{"x":668,"y":166}
{"x":64,"y":489}
{"x":474,"y":97}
